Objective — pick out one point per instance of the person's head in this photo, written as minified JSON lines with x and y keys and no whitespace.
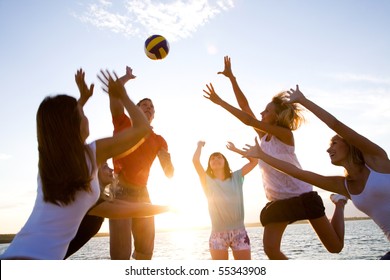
{"x":283,"y":114}
{"x":218,"y":161}
{"x":342,"y":153}
{"x":147,"y":107}
{"x":62,"y":129}
{"x":105,"y":175}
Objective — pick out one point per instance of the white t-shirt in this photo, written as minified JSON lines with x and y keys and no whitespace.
{"x":50,"y":227}
{"x":278,"y":185}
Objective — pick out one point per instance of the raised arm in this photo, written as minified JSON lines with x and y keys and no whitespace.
{"x":166,"y":163}
{"x":116,"y":106}
{"x":373,"y":154}
{"x":284,"y":134}
{"x":240,"y":97}
{"x":328,"y":183}
{"x":85,"y":92}
{"x":198,"y":166}
{"x":130,"y":138}
{"x":247,"y":167}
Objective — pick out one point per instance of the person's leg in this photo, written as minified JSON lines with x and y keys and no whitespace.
{"x":90,"y":225}
{"x":332,"y":233}
{"x":120,"y":239}
{"x":337,"y":221}
{"x":240,"y":244}
{"x":386,"y":256}
{"x":242,"y":254}
{"x":272,"y":239}
{"x":219,"y":254}
{"x":218,"y":245}
{"x":143,"y":234}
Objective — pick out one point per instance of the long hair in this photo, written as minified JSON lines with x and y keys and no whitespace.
{"x":227,"y":170}
{"x":288,"y":115}
{"x":62,"y":154}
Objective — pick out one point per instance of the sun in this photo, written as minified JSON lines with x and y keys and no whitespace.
{"x":186,"y":197}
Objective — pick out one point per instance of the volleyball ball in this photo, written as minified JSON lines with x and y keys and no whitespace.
{"x":156,"y":47}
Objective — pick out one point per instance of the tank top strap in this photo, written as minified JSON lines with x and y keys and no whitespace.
{"x":346,"y":186}
{"x":345,"y":179}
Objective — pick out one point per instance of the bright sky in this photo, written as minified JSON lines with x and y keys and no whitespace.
{"x":337,"y":51}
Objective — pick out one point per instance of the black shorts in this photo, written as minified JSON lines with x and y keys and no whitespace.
{"x":88,"y":228}
{"x":386,"y":257}
{"x":307,"y":206}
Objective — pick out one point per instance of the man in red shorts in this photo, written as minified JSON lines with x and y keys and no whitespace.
{"x":133,"y":172}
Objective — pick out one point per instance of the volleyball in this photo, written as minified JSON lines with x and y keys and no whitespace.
{"x":156,"y":47}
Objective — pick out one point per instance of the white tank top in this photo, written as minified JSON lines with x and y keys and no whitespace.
{"x":278,"y":185}
{"x":50,"y":227}
{"x":374,"y":200}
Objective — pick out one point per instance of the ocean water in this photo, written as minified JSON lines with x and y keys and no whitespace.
{"x":363,"y":241}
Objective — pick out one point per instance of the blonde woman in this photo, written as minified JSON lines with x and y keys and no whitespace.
{"x":290,"y":199}
{"x":366,"y":165}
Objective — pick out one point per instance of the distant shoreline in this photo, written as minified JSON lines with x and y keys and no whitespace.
{"x":7,"y":238}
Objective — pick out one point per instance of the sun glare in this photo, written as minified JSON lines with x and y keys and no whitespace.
{"x":184,"y":196}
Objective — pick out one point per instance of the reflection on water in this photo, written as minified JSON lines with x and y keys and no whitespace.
{"x":363,"y":240}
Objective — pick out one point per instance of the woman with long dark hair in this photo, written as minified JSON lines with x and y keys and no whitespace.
{"x":68,"y":184}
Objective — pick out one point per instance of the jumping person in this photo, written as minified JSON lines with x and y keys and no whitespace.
{"x":290,"y":199}
{"x":366,"y":167}
{"x":68,"y":186}
{"x":223,"y":189}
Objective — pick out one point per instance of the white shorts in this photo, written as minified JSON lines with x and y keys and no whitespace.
{"x":236,"y":239}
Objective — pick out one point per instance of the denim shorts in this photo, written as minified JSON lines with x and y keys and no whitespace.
{"x":132,"y":194}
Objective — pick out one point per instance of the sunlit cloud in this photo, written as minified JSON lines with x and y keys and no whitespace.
{"x":176,"y":19}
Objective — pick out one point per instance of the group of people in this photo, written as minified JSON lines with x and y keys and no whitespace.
{"x":77,"y":189}
{"x":287,"y":186}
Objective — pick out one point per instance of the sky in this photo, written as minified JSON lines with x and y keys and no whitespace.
{"x":337,"y":51}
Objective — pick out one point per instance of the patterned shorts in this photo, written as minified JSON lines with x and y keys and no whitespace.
{"x":236,"y":239}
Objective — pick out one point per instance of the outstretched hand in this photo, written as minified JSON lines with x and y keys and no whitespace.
{"x":254,"y":151}
{"x":212,"y":95}
{"x":114,"y":87}
{"x":227,"y":71}
{"x":295,"y":96}
{"x":85,"y":92}
{"x":230,"y":146}
{"x":128,"y":75}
